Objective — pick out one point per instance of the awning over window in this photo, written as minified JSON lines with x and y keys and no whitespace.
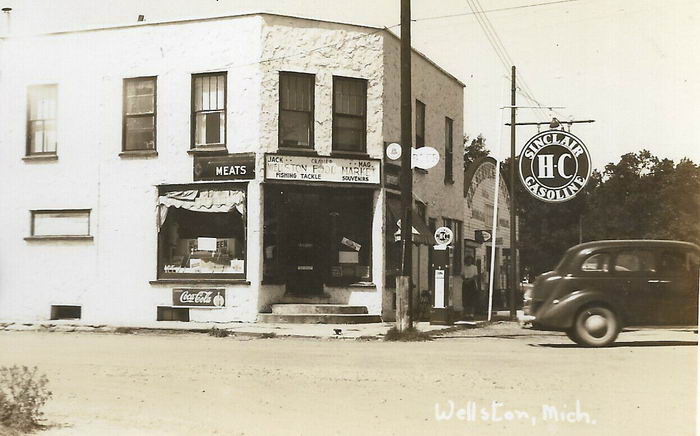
{"x":201,"y":201}
{"x":421,"y":232}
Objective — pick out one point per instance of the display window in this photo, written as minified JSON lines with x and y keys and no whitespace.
{"x":202,"y":232}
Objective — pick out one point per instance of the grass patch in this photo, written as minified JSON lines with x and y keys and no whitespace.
{"x":268,"y":335}
{"x":124,"y":330}
{"x":219,"y":333}
{"x":23,"y":393}
{"x":409,"y":335}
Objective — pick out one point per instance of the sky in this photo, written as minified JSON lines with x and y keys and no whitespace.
{"x":630,"y":65}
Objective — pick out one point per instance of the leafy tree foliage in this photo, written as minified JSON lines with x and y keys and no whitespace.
{"x":474,"y":149}
{"x":639,"y":197}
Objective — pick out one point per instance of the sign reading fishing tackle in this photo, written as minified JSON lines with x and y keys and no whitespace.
{"x":554,"y":166}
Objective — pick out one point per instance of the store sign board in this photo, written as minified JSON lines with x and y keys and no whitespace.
{"x":322,"y":169}
{"x":214,"y":298}
{"x":554,"y":166}
{"x":229,"y":167}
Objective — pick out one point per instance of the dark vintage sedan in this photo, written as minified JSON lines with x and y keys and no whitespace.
{"x":602,"y":286}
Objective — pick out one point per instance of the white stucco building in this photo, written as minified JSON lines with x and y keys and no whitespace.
{"x":208,"y":169}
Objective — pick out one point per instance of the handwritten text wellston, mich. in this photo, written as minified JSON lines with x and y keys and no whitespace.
{"x":496,"y":412}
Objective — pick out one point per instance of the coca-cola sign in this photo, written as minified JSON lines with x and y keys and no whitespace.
{"x":199,"y":297}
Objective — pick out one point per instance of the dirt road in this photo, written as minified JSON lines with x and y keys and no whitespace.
{"x":194,"y":384}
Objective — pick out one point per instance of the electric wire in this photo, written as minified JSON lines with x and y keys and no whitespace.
{"x":493,"y":10}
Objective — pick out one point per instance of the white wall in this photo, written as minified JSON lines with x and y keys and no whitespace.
{"x":110,"y":275}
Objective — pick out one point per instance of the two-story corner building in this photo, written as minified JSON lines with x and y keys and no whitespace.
{"x":211,"y":169}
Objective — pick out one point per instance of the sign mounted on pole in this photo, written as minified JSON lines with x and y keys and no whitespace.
{"x":443,"y":236}
{"x":424,"y":158}
{"x":554,"y":166}
{"x":393,"y":151}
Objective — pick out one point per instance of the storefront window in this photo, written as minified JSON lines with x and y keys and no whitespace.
{"x":314,"y":236}
{"x":202,"y":233}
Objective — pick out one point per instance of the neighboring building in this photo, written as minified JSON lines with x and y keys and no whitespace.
{"x":207,"y":169}
{"x":479,"y":204}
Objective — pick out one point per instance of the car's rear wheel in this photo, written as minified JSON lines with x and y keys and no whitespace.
{"x":595,"y":326}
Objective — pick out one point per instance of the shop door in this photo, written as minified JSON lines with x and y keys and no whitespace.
{"x":304,"y":230}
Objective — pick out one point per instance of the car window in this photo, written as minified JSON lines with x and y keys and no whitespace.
{"x":634,"y":261}
{"x":598,"y":262}
{"x":675,"y":261}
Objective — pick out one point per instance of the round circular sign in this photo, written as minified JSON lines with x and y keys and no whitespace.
{"x":554,"y":166}
{"x":393,"y":151}
{"x":443,"y":235}
{"x":425,"y":157}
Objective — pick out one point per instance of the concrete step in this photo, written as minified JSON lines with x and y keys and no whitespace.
{"x":319,"y":318}
{"x":311,"y":309}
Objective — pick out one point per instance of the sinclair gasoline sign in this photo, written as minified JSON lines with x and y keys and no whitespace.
{"x":554,"y":166}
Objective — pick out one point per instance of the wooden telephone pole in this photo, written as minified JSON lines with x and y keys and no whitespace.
{"x":404,"y":283}
{"x":515,"y":280}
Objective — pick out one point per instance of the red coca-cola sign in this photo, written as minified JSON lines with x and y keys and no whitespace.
{"x":199,"y":297}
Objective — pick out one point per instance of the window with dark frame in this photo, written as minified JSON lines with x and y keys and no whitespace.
{"x":41,"y":120}
{"x":420,"y":124}
{"x":448,"y":151}
{"x":139,"y":124}
{"x":209,"y":110}
{"x":349,"y":114}
{"x":296,"y":110}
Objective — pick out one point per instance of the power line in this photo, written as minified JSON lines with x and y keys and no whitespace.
{"x":494,"y":10}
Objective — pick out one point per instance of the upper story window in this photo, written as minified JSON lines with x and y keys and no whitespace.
{"x":420,"y":124}
{"x":349,"y":114}
{"x":139,"y":124}
{"x":209,"y":110}
{"x":449,"y":177}
{"x":296,"y":116}
{"x":41,"y":120}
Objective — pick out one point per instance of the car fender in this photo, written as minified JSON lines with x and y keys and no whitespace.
{"x":559,"y":313}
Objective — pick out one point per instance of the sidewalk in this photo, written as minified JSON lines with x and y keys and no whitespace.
{"x":262,"y":330}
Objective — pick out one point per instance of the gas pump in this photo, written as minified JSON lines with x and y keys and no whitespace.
{"x":441,"y":313}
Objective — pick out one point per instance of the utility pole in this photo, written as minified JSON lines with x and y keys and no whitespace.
{"x":404,"y":283}
{"x":513,"y":237}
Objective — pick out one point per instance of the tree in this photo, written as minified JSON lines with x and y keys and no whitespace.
{"x":474,"y":150}
{"x":639,"y":197}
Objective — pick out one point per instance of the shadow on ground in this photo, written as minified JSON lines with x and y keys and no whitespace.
{"x":626,"y":344}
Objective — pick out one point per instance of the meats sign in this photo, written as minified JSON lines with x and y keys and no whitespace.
{"x":199,"y":297}
{"x":554,"y":166}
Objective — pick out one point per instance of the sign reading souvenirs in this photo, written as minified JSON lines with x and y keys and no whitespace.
{"x":554,"y":166}
{"x":229,"y":167}
{"x":443,"y":236}
{"x":322,"y":169}
{"x":199,"y":297}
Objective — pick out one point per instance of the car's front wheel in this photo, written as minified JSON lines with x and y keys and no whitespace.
{"x":595,"y":326}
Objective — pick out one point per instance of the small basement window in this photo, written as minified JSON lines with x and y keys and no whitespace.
{"x":173,"y":314}
{"x":65,"y":312}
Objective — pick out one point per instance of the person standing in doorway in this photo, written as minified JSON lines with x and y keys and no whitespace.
{"x":469,"y":287}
